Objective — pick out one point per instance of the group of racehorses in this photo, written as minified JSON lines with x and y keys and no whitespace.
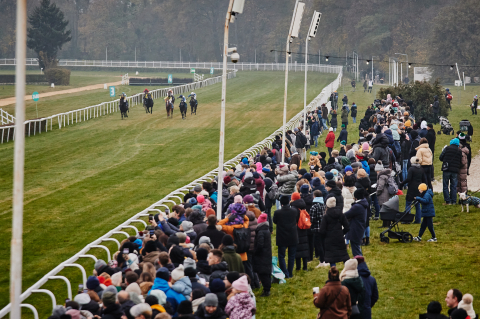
{"x":169,"y":103}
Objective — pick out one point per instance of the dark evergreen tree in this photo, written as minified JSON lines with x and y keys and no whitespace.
{"x":47,"y":33}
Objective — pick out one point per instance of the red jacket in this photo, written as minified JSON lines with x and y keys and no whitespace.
{"x":330,"y":140}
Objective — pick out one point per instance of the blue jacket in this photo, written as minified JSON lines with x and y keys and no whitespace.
{"x":172,"y":296}
{"x":183,"y":286}
{"x":428,"y":210}
{"x":357,"y":218}
{"x":314,"y":131}
{"x":371,"y":290}
{"x":365,"y":166}
{"x":343,"y":136}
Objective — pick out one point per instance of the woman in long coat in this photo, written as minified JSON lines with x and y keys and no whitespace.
{"x":303,"y":249}
{"x":462,"y":173}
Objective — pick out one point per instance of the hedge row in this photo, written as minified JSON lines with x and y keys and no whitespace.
{"x":134,"y":81}
{"x":58,"y":76}
{"x":31,"y":78}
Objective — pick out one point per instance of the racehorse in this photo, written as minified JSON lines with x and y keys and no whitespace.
{"x":183,"y":107}
{"x":148,"y":102}
{"x":169,"y":107}
{"x":123,"y":106}
{"x":193,"y":105}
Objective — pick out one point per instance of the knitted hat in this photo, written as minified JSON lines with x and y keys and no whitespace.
{"x":408,"y":123}
{"x":328,"y":176}
{"x":232,"y":276}
{"x":461,"y":136}
{"x":455,"y":141}
{"x":186,"y":225}
{"x":238,"y":199}
{"x":211,"y":300}
{"x":422,"y":187}
{"x":365,"y":146}
{"x":414,"y":160}
{"x":248,"y":199}
{"x":92,"y":282}
{"x":190,"y":272}
{"x":202,"y":254}
{"x":356,"y":164}
{"x":99,"y":264}
{"x":137,"y":310}
{"x":466,"y":304}
{"x":304,"y":189}
{"x":241,"y":284}
{"x":210,"y":212}
{"x":348,"y":168}
{"x":185,"y":308}
{"x":82,"y":299}
{"x":178,"y":273}
{"x":163,"y":273}
{"x":360,"y":259}
{"x":343,"y":125}
{"x":331,"y":184}
{"x":205,"y":240}
{"x":379,"y":167}
{"x":227,"y":240}
{"x":217,"y":285}
{"x":296,"y":196}
{"x":189,"y":262}
{"x":343,"y":142}
{"x":359,"y":194}
{"x":139,"y":243}
{"x":192,"y":201}
{"x":262,"y":218}
{"x":150,"y":246}
{"x":331,"y":202}
{"x":109,"y":298}
{"x":160,"y":295}
{"x":459,"y":314}
{"x":330,"y":129}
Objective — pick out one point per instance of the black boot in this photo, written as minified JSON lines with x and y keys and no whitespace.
{"x":367,"y":241}
{"x":363,"y":242}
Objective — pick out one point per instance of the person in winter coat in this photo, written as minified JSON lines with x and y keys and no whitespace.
{"x":302,"y":251}
{"x":300,"y":142}
{"x":209,"y":309}
{"x":384,"y":178}
{"x":333,"y":299}
{"x":357,"y":217}
{"x":371,"y":290}
{"x":240,"y":305}
{"x":474,"y":105}
{"x":233,"y":259}
{"x":332,"y":229}
{"x":344,"y":116}
{"x":287,"y":181}
{"x":180,"y":282}
{"x":295,"y":159}
{"x":347,"y":192}
{"x":316,"y":215}
{"x":425,"y":156}
{"x":351,"y":279}
{"x":428,"y":212}
{"x":324,"y":116}
{"x":211,"y":232}
{"x":314,"y":132}
{"x":286,"y":235}
{"x":462,"y":172}
{"x":333,"y":120}
{"x":436,"y":109}
{"x":335,"y":192}
{"x":373,"y":190}
{"x":262,"y":254}
{"x":330,"y":141}
{"x":343,"y":136}
{"x":415,"y":177}
{"x":452,"y":161}
{"x":434,"y":311}
{"x":354,"y":113}
{"x":161,"y":283}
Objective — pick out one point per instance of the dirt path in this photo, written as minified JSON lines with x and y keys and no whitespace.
{"x":11,"y":100}
{"x":473,"y":180}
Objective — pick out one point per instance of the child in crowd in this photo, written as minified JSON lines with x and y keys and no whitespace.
{"x":428,"y":212}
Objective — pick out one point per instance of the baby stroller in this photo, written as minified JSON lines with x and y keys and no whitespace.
{"x":445,"y":126}
{"x":467,"y":129}
{"x":389,"y":214}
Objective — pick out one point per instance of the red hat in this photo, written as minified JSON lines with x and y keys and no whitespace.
{"x":262,"y":218}
{"x":146,"y":90}
{"x":296,"y":196}
{"x":209,"y":212}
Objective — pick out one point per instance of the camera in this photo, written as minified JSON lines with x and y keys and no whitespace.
{"x":235,"y":57}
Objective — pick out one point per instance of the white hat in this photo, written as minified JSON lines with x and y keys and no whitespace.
{"x":178,"y":273}
{"x":82,"y":299}
{"x":139,"y":309}
{"x":331,"y":129}
{"x":466,"y":304}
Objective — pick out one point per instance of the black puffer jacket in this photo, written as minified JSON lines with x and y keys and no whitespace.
{"x":302,"y":247}
{"x":415,"y":177}
{"x":333,"y":235}
{"x":262,"y":252}
{"x":453,"y":156}
{"x":337,"y":193}
{"x":308,"y":199}
{"x":373,"y":175}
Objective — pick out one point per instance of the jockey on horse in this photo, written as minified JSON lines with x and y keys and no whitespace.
{"x":169,"y":106}
{"x":148,"y":101}
{"x":123,"y":105}
{"x":193,"y":103}
{"x":183,"y":106}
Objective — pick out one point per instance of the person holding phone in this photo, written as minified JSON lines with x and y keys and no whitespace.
{"x":333,"y":299}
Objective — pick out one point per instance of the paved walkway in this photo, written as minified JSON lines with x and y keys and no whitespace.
{"x":11,"y":100}
{"x":473,"y":180}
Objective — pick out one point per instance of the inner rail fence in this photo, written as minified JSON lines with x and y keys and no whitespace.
{"x":6,"y":118}
{"x":173,"y":198}
{"x":241,"y":66}
{"x":37,"y":126}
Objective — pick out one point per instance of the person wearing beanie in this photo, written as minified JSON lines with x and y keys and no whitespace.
{"x":180,"y":282}
{"x":217,"y":286}
{"x":330,"y":141}
{"x":204,"y":270}
{"x":210,"y":309}
{"x":93,"y":284}
{"x":185,"y":310}
{"x":343,"y":136}
{"x":466,"y":304}
{"x":351,"y":280}
{"x":101,"y":267}
{"x":428,"y":212}
{"x":161,"y":283}
{"x":434,"y":311}
{"x":240,"y":304}
{"x":110,"y":305}
{"x":286,"y":234}
{"x":296,"y":159}
{"x":333,"y":227}
{"x":425,"y":156}
{"x":334,"y":191}
{"x":187,"y":227}
{"x":451,"y":157}
{"x":341,"y":307}
{"x":415,"y":177}
{"x":357,"y":217}
{"x":329,"y":176}
{"x":233,"y":259}
{"x":262,"y":253}
{"x":212,"y":231}
{"x":141,"y":311}
{"x":371,"y":296}
{"x":459,"y":313}
{"x":154,"y":305}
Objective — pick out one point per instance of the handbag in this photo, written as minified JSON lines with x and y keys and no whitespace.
{"x":355,"y":310}
{"x":445,"y":166}
{"x":331,"y":304}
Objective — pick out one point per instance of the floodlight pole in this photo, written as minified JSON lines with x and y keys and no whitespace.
{"x":16,"y":247}
{"x":222,"y":112}
{"x":307,"y":39}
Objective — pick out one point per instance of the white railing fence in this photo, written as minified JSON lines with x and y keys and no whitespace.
{"x":105,"y":108}
{"x":6,"y":118}
{"x":241,"y":66}
{"x":125,"y":79}
{"x":174,"y":198}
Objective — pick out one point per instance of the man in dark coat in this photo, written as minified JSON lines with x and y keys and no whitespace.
{"x":436,"y":109}
{"x":303,"y":248}
{"x":334,"y":191}
{"x":286,"y":237}
{"x":357,"y":217}
{"x":370,"y":285}
{"x":452,"y":160}
{"x":212,"y":232}
{"x":300,"y":142}
{"x":262,"y":253}
{"x":343,"y":136}
{"x":415,"y":177}
{"x":112,"y":310}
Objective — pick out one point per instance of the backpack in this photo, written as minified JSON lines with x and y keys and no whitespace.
{"x":449,"y":97}
{"x":391,"y":186}
{"x":304,"y":220}
{"x":241,"y":238}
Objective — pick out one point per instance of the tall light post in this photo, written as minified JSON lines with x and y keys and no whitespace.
{"x":16,"y":247}
{"x":234,"y":7}
{"x":407,"y":63}
{"x":374,"y":56}
{"x":293,"y":33}
{"x":312,"y":32}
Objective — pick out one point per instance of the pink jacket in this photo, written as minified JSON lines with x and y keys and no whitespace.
{"x":240,"y":306}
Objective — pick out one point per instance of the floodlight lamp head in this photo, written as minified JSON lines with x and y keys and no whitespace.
{"x":238,"y":6}
{"x":315,"y":23}
{"x":409,"y":65}
{"x":368,"y":62}
{"x":451,"y":67}
{"x":297,"y":19}
{"x":326,"y":58}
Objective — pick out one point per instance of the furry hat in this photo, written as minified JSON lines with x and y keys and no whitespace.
{"x":331,"y":202}
{"x":466,"y":304}
{"x":178,"y":273}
